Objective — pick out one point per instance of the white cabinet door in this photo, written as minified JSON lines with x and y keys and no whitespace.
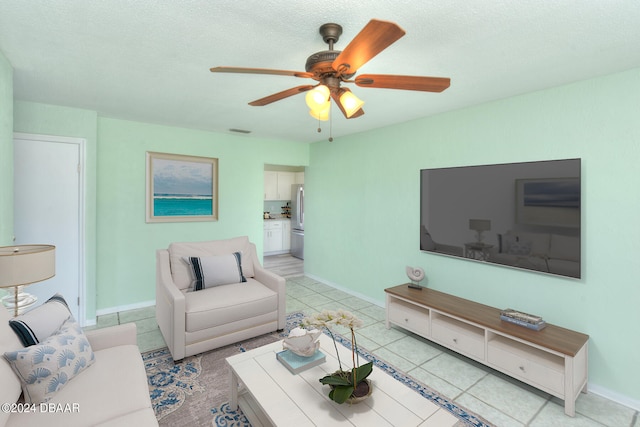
{"x":272,"y":236}
{"x":286,"y":236}
{"x":285,"y":181}
{"x":277,"y":185}
{"x":271,"y":185}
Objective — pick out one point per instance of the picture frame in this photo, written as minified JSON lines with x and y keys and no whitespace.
{"x":181,"y":188}
{"x":548,"y":202}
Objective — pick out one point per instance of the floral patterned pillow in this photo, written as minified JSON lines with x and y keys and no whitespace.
{"x":47,"y":367}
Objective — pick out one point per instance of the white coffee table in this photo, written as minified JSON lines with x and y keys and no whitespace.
{"x":270,"y":395}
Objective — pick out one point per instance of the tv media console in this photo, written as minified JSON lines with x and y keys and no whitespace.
{"x":553,"y":360}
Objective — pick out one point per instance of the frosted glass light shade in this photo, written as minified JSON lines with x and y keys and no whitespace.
{"x":317,"y":97}
{"x":350,"y":103}
{"x":321,"y":113}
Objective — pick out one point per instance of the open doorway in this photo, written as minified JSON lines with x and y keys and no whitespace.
{"x":283,"y":216}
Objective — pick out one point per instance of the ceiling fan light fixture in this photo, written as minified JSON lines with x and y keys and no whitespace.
{"x":317,"y":97}
{"x":350,"y":103}
{"x":320,"y":115}
{"x":321,"y":112}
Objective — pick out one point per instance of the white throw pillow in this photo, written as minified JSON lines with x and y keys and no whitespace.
{"x":181,"y":272}
{"x":216,"y":270}
{"x":41,"y":322}
{"x":45,"y":368}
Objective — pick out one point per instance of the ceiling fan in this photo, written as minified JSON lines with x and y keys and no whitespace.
{"x":330,"y":68}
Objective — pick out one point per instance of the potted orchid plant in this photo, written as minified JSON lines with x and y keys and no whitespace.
{"x":346,"y":385}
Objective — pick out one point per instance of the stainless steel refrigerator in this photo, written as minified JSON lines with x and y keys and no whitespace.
{"x":297,"y":220}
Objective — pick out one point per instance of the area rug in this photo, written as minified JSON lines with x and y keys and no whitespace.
{"x":195,"y":391}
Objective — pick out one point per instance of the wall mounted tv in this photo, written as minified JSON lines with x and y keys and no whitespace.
{"x":522,"y":215}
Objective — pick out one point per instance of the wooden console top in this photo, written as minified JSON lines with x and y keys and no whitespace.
{"x":561,"y":340}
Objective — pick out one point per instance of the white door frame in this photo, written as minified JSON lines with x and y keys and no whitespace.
{"x":82,"y":274}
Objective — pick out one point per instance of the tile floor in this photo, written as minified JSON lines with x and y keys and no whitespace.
{"x":498,"y":398}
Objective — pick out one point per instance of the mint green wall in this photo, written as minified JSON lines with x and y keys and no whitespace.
{"x":6,"y":151}
{"x":118,"y":239}
{"x":362,"y":220}
{"x":30,"y":117}
{"x":127,"y":244}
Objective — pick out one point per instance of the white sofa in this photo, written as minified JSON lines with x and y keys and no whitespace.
{"x":548,"y":252}
{"x":113,"y":391}
{"x":192,"y":322}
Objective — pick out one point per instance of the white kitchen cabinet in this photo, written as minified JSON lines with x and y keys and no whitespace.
{"x":277,"y":236}
{"x":272,"y":236}
{"x":270,"y":185}
{"x":285,"y":181}
{"x":277,"y":185}
{"x":286,"y":235}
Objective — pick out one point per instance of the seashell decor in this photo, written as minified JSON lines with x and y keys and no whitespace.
{"x":302,"y":342}
{"x":415,"y":274}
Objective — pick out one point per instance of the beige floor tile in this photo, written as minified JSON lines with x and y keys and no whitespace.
{"x":107,"y":320}
{"x":146,"y":325}
{"x":604,"y":410}
{"x":152,"y":340}
{"x":416,"y":350}
{"x":436,"y":383}
{"x":137,"y":314}
{"x":553,"y":414}
{"x":509,"y":398}
{"x":490,"y":413}
{"x":380,"y":334}
{"x":315,"y":300}
{"x":454,"y":370}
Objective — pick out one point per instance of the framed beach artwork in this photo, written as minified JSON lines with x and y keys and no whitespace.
{"x":181,"y":188}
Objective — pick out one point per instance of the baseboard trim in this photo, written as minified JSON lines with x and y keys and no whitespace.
{"x":614,"y":396}
{"x":346,"y":290}
{"x":127,"y":307}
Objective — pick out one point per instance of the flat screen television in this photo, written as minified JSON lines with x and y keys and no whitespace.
{"x":522,"y":215}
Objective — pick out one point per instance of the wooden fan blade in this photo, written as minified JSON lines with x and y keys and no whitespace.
{"x":375,"y":37}
{"x":390,"y":81}
{"x":336,"y":97}
{"x":280,"y":95}
{"x":260,"y":71}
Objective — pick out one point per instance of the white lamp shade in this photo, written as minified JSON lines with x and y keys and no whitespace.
{"x":25,"y":264}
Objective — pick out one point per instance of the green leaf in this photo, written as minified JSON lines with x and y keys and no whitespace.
{"x":335,"y":380}
{"x":341,"y":394}
{"x":363,"y":371}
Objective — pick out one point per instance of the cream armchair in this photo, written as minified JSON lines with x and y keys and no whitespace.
{"x":192,"y":322}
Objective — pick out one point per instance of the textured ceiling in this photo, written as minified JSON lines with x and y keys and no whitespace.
{"x":149,"y":61}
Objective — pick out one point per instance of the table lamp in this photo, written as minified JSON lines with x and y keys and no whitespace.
{"x":22,"y":265}
{"x":479,"y":225}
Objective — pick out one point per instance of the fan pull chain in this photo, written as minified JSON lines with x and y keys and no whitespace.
{"x":330,"y":127}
